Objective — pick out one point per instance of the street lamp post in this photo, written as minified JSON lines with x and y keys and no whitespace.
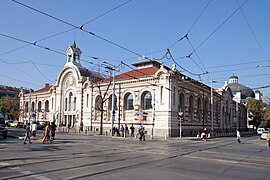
{"x":180,"y":123}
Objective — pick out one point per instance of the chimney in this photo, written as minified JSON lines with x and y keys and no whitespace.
{"x":47,"y":85}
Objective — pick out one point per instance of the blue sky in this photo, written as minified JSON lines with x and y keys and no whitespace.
{"x":237,"y":46}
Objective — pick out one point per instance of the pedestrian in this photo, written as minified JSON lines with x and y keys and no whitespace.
{"x":81,"y":127}
{"x":204,"y":134}
{"x":53,"y":129}
{"x":27,"y":134}
{"x":46,"y":133}
{"x":238,"y":136}
{"x":268,"y":138}
{"x":114,"y":130}
{"x":126,"y":130}
{"x":122,"y":129}
{"x":34,"y":128}
{"x":132,"y":130}
{"x":141,"y":133}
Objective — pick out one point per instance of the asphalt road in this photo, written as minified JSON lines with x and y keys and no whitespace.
{"x":78,"y":156}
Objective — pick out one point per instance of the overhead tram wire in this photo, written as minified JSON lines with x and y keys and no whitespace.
{"x":63,"y":32}
{"x":199,"y":16}
{"x":171,"y":57}
{"x":42,"y":47}
{"x":106,"y":13}
{"x":219,"y":27}
{"x":252,"y":32}
{"x":24,"y":72}
{"x":192,"y":24}
{"x":81,"y":28}
{"x":41,"y":72}
{"x":237,"y":64}
{"x":19,"y":80}
{"x":189,"y":56}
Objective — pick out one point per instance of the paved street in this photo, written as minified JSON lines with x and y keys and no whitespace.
{"x":78,"y":156}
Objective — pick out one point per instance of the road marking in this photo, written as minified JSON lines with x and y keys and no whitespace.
{"x":31,"y":174}
{"x":4,"y":164}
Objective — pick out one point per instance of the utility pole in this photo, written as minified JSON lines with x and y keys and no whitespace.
{"x":203,"y":111}
{"x":112,"y":68}
{"x":212,"y":107}
{"x":29,"y":107}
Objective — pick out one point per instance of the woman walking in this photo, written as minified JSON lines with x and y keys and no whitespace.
{"x":46,"y":133}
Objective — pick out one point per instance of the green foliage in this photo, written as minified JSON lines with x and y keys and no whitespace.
{"x":256,"y":107}
{"x":10,"y":106}
{"x":266,"y":117}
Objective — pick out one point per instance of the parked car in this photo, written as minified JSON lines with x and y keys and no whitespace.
{"x":8,"y":122}
{"x":260,"y":130}
{"x":17,"y":124}
{"x":264,"y":135}
{"x":3,"y":128}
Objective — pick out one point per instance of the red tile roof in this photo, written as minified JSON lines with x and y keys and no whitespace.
{"x":134,"y":74}
{"x":45,"y":89}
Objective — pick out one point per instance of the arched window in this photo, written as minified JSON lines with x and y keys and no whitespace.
{"x":190,"y":109}
{"x":98,"y":103}
{"x":26,"y":107}
{"x":87,"y":100}
{"x":74,"y":104}
{"x":39,"y":106}
{"x":199,"y":110}
{"x":33,"y":107}
{"x":174,"y":96}
{"x":47,"y":106}
{"x":129,"y":101}
{"x":110,"y":103}
{"x":181,"y":103}
{"x":66,"y":104}
{"x":205,"y":111}
{"x":146,"y":100}
{"x":217,"y":112}
{"x":70,"y":103}
{"x":161,"y":94}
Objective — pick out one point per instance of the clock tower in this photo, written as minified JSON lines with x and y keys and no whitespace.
{"x":73,"y":54}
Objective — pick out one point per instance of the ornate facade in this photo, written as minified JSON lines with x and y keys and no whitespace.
{"x":152,"y":91}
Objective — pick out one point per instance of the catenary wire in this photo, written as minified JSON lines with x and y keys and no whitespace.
{"x":69,"y":24}
{"x":219,"y":26}
{"x":63,"y":32}
{"x":252,"y":32}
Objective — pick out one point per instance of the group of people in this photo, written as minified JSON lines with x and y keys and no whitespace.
{"x":48,"y":132}
{"x":125,"y":131}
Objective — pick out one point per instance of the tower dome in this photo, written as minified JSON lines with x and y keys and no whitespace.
{"x":236,"y":88}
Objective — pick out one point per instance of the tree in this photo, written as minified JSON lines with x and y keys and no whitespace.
{"x":255,"y":107}
{"x":266,"y":118}
{"x":99,"y":105}
{"x":10,"y":106}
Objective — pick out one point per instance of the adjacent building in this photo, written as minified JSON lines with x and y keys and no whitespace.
{"x":151,"y":95}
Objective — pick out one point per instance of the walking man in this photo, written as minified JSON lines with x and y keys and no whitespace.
{"x":34,"y":128}
{"x":27,"y":134}
{"x":238,"y":136}
{"x":132,"y":130}
{"x":53,"y":129}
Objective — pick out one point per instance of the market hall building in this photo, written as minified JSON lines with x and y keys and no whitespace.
{"x":152,"y":91}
